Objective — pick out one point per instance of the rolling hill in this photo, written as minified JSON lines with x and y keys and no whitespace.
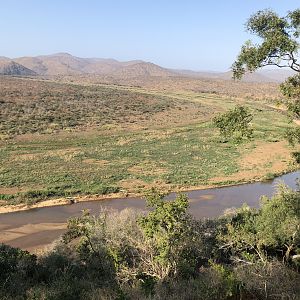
{"x":67,"y":64}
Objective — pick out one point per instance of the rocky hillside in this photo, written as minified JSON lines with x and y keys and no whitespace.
{"x":8,"y":67}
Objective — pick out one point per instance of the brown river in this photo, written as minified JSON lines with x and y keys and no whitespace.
{"x":37,"y":228}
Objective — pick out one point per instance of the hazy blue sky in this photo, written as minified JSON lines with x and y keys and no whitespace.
{"x":191,"y":34}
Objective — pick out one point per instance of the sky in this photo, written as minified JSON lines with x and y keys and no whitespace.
{"x":182,"y":34}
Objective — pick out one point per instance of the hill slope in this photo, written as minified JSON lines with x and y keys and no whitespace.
{"x":8,"y":67}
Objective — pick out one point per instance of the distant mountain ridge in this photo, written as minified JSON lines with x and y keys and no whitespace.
{"x":67,"y":64}
{"x":274,"y":75}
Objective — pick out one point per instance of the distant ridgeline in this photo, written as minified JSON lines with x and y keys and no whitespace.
{"x":66,"y":64}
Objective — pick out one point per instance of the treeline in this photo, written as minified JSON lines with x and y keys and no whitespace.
{"x":166,"y":254}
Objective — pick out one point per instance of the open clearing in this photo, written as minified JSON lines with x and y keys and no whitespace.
{"x":62,"y":140}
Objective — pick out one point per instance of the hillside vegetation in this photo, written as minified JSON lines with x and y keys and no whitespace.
{"x":32,"y":106}
{"x":175,"y":84}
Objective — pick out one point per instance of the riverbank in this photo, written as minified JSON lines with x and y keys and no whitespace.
{"x":4,"y":209}
{"x":36,"y":229}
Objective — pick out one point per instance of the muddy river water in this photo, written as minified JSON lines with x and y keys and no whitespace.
{"x":34,"y":229}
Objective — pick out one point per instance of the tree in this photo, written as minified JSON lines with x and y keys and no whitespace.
{"x":146,"y":247}
{"x":279,"y":47}
{"x":235,"y":123}
{"x":291,"y":90}
{"x":280,"y":43}
{"x":17,"y":266}
{"x":172,"y":234}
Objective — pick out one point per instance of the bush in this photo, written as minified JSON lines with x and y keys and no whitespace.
{"x":272,"y":280}
{"x":235,"y":123}
{"x":18,"y":268}
{"x":271,"y":231}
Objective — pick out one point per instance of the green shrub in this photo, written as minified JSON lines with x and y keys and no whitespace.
{"x":235,"y":123}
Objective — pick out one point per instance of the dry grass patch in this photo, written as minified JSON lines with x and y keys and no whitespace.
{"x":138,"y":186}
{"x":133,"y":184}
{"x":272,"y":158}
{"x":148,"y":168}
{"x":12,"y":190}
{"x":26,"y":156}
{"x":97,"y":162}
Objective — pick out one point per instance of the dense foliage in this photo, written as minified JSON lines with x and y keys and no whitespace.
{"x":235,"y":123}
{"x":279,"y":47}
{"x":291,"y":90}
{"x":166,"y":254}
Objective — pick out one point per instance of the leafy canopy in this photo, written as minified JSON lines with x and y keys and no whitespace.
{"x":273,"y":230}
{"x":279,"y":46}
{"x":235,"y":123}
{"x":291,"y":90}
{"x":167,"y":224}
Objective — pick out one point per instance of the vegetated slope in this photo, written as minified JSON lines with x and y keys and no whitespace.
{"x":249,"y":77}
{"x":8,"y":67}
{"x":277,"y":75}
{"x":4,"y":58}
{"x":56,"y":64}
{"x":126,"y":138}
{"x":28,"y":106}
{"x":52,"y":64}
{"x":141,"y":69}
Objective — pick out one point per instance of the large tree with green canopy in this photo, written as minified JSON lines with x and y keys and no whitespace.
{"x":279,"y":46}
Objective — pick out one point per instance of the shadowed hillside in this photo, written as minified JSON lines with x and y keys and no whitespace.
{"x":8,"y":67}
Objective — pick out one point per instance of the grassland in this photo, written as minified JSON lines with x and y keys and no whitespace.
{"x":66,"y":139}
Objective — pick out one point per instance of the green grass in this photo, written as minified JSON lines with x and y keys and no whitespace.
{"x":130,"y":160}
{"x":188,"y":156}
